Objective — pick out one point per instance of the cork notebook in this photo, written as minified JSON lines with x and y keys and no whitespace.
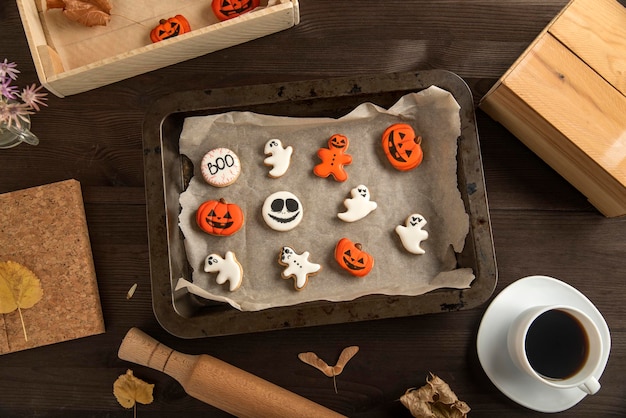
{"x":44,"y":228}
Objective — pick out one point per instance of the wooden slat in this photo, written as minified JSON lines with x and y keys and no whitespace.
{"x":595,"y":30}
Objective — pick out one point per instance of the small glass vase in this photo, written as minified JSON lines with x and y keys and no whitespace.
{"x":11,"y":136}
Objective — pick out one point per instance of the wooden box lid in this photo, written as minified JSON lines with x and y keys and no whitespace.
{"x":564,"y":98}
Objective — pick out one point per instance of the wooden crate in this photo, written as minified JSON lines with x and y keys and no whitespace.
{"x":118,"y":59}
{"x":565,"y":98}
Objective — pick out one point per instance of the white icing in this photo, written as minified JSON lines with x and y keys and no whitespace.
{"x":359,"y":205}
{"x":220,"y":167}
{"x":279,"y":157}
{"x":282,"y":211}
{"x":411,"y":234}
{"x":228,"y":269}
{"x":298,"y":266}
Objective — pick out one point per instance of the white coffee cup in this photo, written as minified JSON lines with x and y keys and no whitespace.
{"x":543,"y":342}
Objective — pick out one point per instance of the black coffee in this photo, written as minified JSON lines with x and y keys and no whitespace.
{"x":556,"y":345}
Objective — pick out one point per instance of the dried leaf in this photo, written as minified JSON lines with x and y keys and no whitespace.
{"x":434,"y":400}
{"x":129,"y":389}
{"x":313,"y":360}
{"x":19,"y":289}
{"x":88,"y":12}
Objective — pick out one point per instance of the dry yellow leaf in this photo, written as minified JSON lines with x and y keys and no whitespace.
{"x":19,"y":289}
{"x":312,"y":359}
{"x":129,"y":389}
{"x":434,"y":400}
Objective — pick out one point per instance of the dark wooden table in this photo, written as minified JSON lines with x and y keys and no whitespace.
{"x":541,"y":224}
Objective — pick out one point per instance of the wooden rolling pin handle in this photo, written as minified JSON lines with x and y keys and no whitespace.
{"x":218,"y":383}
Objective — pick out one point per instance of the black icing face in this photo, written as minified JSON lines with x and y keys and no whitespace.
{"x":286,"y":254}
{"x":282,"y":211}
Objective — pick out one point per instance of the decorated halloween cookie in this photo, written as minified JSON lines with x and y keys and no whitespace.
{"x":358,"y":206}
{"x":220,"y":218}
{"x":351,"y":257}
{"x":402,"y":148}
{"x":227,"y":9}
{"x":297,"y":266}
{"x":169,"y":28}
{"x":282,"y":211}
{"x":411,"y":233}
{"x":228,"y":269}
{"x":220,"y":167}
{"x":279,"y":157}
{"x":334,"y":158}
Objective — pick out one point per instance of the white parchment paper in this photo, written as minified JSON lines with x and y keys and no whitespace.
{"x":430,"y":189}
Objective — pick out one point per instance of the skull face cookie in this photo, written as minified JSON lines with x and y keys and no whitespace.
{"x":282,"y":211}
{"x":297,"y":266}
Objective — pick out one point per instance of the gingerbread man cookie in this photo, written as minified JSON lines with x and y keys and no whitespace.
{"x":279,"y":157}
{"x":298,"y":266}
{"x":227,"y":269}
{"x":334,"y":158}
{"x":359,"y":205}
{"x":411,"y":234}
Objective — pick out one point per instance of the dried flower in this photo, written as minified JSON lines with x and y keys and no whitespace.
{"x":15,"y":106}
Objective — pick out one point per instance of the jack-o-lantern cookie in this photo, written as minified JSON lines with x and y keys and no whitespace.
{"x":282,"y":211}
{"x":279,"y":157}
{"x":228,"y":269}
{"x":358,"y":206}
{"x":411,"y":233}
{"x":352,"y":258}
{"x":402,"y":148}
{"x":297,"y":266}
{"x":170,"y":28}
{"x":334,"y":158}
{"x":220,"y":167}
{"x":220,"y":218}
{"x":228,"y":9}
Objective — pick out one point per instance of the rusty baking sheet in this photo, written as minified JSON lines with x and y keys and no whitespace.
{"x":167,"y":174}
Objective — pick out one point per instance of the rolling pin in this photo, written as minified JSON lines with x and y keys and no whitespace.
{"x":218,"y":383}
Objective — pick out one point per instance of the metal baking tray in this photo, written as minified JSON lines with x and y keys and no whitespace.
{"x":167,"y":174}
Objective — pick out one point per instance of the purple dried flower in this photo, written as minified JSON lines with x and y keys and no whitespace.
{"x":13,"y":114}
{"x":8,"y":70}
{"x":32,"y":97}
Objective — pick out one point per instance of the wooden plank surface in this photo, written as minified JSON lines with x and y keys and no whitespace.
{"x":541,"y":224}
{"x":595,"y":30}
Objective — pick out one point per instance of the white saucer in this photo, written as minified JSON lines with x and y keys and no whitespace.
{"x":492,"y":346}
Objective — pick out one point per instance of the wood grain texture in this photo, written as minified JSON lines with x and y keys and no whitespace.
{"x":541,"y":224}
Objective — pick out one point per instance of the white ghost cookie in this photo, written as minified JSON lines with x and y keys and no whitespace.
{"x":359,"y":205}
{"x":220,"y":167}
{"x":297,"y":266}
{"x":227,"y":268}
{"x":411,"y":234}
{"x":279,"y":157}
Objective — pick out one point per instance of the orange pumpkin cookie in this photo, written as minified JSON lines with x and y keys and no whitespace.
{"x":352,"y":258}
{"x":217,"y":217}
{"x":169,"y":28}
{"x":228,"y":9}
{"x":402,"y":148}
{"x":334,"y":158}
